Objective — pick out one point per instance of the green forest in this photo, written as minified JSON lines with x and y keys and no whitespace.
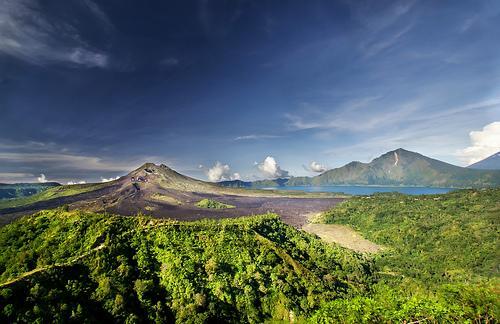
{"x":441,"y":258}
{"x":440,"y":265}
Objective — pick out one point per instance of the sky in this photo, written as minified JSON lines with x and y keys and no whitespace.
{"x":218,"y":90}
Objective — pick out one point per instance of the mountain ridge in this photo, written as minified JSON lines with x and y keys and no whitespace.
{"x":398,"y":167}
{"x":492,"y":162}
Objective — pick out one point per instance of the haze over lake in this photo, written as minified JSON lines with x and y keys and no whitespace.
{"x":367,"y":190}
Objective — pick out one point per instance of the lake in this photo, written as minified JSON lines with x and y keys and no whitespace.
{"x":367,"y":190}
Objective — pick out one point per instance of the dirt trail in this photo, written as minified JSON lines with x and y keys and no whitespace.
{"x":32,"y":272}
{"x":344,"y":236}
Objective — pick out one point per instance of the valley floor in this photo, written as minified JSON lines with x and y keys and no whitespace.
{"x":292,"y":211}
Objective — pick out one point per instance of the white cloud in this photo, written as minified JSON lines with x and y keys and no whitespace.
{"x":374,"y":114}
{"x":317,"y":167}
{"x":109,"y":179}
{"x":484,"y":143}
{"x":16,"y":177}
{"x":76,"y":182}
{"x":221,"y":172}
{"x":98,"y":13}
{"x":269,"y":167}
{"x":69,"y":161}
{"x":42,"y":178}
{"x":88,"y":58}
{"x":255,"y":137}
{"x":28,"y":34}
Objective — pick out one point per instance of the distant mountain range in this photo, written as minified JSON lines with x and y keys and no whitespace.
{"x":395,"y":168}
{"x":16,"y":190}
{"x":490,"y":163}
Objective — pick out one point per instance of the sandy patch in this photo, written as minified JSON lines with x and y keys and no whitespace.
{"x":344,"y":236}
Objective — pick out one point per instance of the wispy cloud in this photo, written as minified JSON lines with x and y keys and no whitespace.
{"x":169,"y":62}
{"x":255,"y":137}
{"x":63,"y":164}
{"x":375,"y":17}
{"x":99,"y":14}
{"x":80,"y":162}
{"x":109,"y":179}
{"x":375,"y":47}
{"x":28,"y":34}
{"x":376,"y":114}
{"x":16,"y":177}
{"x":359,"y":115}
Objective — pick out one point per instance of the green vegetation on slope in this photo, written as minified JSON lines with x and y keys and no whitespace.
{"x":442,"y":260}
{"x":433,"y":238}
{"x":17,"y":190}
{"x":59,"y":265}
{"x":212,"y":204}
{"x":440,"y":265}
{"x":51,"y":193}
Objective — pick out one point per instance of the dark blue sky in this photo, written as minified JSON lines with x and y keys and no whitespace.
{"x":92,"y":89}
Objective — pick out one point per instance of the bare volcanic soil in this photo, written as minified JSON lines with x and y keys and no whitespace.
{"x":292,"y":211}
{"x":161,"y":192}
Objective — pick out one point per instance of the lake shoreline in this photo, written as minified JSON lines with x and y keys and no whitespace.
{"x":367,"y":190}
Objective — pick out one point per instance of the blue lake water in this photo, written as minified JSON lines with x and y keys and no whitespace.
{"x":367,"y":190}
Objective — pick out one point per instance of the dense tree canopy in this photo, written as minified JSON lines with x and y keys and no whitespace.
{"x":74,"y":264}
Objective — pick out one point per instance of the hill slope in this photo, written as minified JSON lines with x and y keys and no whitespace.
{"x":439,"y":247}
{"x":490,"y":163}
{"x":435,"y":238}
{"x":17,"y":190}
{"x":59,"y":265}
{"x":395,"y":168}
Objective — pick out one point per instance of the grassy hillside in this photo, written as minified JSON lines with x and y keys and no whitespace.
{"x":75,"y":265}
{"x":17,"y":190}
{"x":51,"y":193}
{"x":441,"y":248}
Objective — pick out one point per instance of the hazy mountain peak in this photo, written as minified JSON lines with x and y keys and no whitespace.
{"x":492,"y":162}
